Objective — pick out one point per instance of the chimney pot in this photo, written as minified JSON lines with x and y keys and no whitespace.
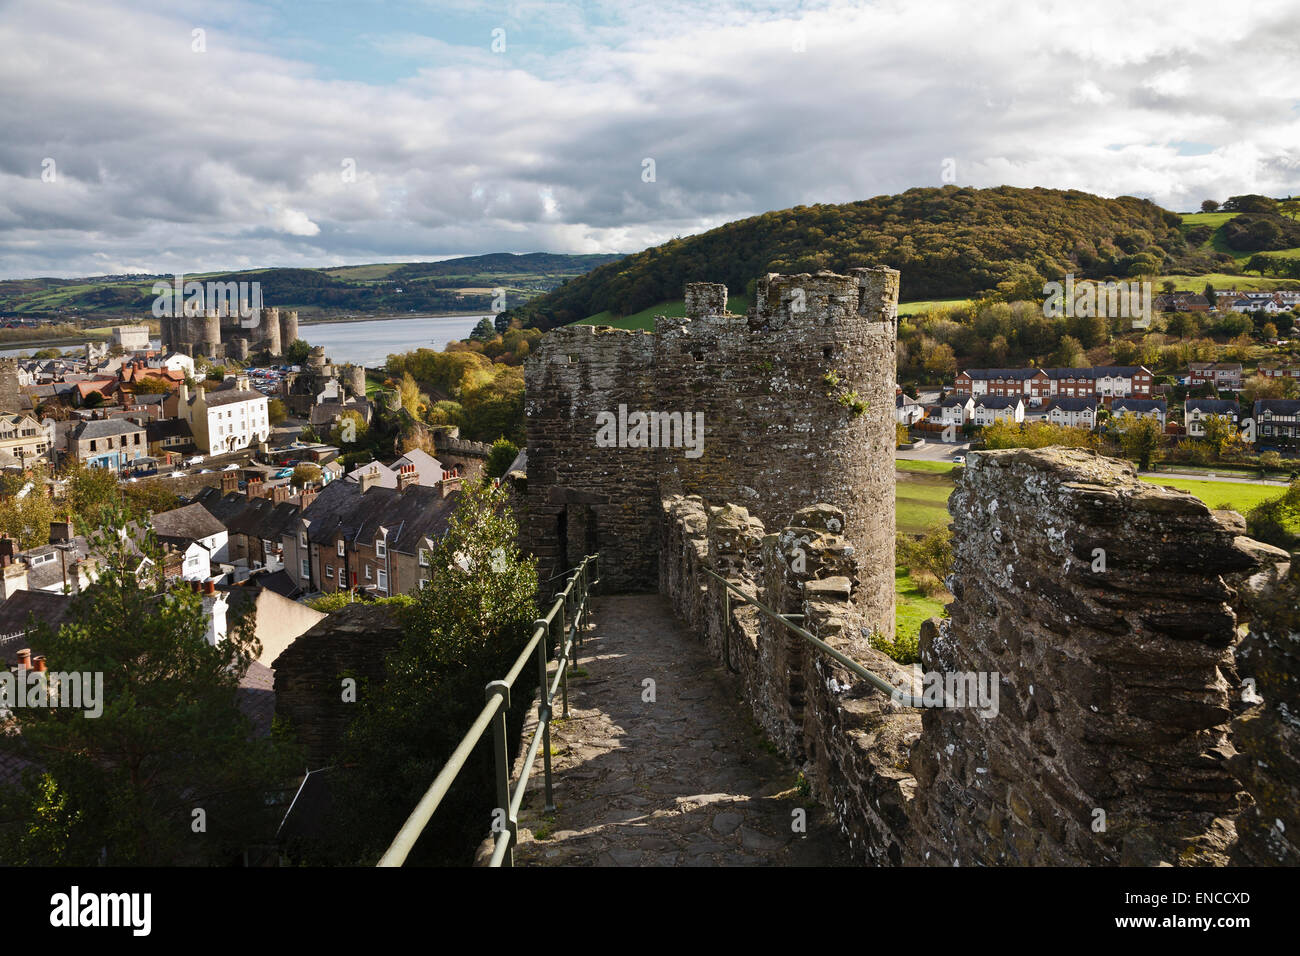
{"x":209,"y":587}
{"x":40,"y":663}
{"x":25,"y":658}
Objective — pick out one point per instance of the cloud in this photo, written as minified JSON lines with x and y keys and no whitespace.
{"x":173,"y":160}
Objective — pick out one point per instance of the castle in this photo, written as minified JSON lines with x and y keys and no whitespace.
{"x":219,"y":334}
{"x":1130,"y":722}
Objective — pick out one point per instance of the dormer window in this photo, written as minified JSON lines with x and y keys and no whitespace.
{"x":381,"y":549}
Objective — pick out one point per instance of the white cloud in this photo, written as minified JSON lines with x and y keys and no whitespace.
{"x":184,"y":161}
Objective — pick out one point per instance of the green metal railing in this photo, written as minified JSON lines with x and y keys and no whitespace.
{"x":907,"y":700}
{"x":570,"y":609}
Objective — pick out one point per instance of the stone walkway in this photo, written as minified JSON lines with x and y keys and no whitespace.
{"x":685,"y":780}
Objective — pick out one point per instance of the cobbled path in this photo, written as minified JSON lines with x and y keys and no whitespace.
{"x":684,"y":780}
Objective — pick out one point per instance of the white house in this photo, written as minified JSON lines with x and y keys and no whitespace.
{"x":907,"y":410}
{"x":953,"y":410}
{"x":991,"y":408}
{"x":174,"y":362}
{"x":1073,"y":412}
{"x":1199,"y":409}
{"x":189,"y":526}
{"x":230,"y":418}
{"x":1141,"y":407}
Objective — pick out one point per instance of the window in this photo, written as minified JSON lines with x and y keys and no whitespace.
{"x":306,"y":569}
{"x":340,"y":547}
{"x":424,"y":558}
{"x":302,"y":539}
{"x":381,"y":549}
{"x":367,"y":572}
{"x":382,"y":583}
{"x":329,"y":571}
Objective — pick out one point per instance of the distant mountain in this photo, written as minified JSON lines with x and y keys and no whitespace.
{"x":464,"y":284}
{"x":949,"y":242}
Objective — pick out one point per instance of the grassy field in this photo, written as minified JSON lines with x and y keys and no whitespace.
{"x":921,"y":497}
{"x":1224,"y":283}
{"x":925,"y":305}
{"x":911,"y":607}
{"x":644,"y":321}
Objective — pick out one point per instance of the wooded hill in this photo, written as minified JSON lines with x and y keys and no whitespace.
{"x":949,"y":242}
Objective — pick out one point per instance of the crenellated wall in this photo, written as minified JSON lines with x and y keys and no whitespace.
{"x":1101,"y":613}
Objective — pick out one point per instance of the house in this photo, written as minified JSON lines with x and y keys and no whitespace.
{"x":1199,"y":409}
{"x":23,"y":437}
{"x":907,"y":410}
{"x":954,"y":410}
{"x":1141,"y":407}
{"x":1038,"y":385}
{"x":428,"y":470}
{"x":17,"y":613}
{"x":230,"y":418}
{"x":189,"y":527}
{"x":1073,"y":412}
{"x":361,"y":535}
{"x":1003,"y":382}
{"x":991,"y":408}
{"x":1222,"y":375}
{"x":111,"y":443}
{"x":1277,"y":419}
{"x":62,"y":566}
{"x":171,"y":435}
{"x":1283,"y":371}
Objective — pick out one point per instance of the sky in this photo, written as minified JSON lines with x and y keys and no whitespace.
{"x":165,"y":136}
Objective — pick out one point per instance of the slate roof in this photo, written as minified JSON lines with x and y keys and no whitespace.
{"x":187,"y":523}
{"x":105,"y":428}
{"x":1072,"y":404}
{"x":17,"y":611}
{"x":954,"y":400}
{"x":1278,"y":406}
{"x":50,"y":573}
{"x":1011,"y":373}
{"x":1212,"y":406}
{"x":229,"y":396}
{"x":998,"y":401}
{"x":255,"y":697}
{"x":260,"y":518}
{"x":1140,"y":404}
{"x":410,"y":515}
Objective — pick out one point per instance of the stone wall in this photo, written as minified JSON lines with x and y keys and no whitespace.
{"x":1104,"y":610}
{"x":353,"y":642}
{"x":797,"y":405}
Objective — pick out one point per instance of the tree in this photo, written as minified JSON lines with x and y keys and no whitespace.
{"x":1140,"y":437}
{"x":1069,"y":353}
{"x":25,"y":508}
{"x":413,"y":400}
{"x":503,"y":454}
{"x":1209,"y":205}
{"x":306,"y":474}
{"x":89,"y":493}
{"x":1220,"y":435}
{"x":940,"y":361}
{"x":485,"y":331}
{"x":463,"y":630}
{"x":276,"y":412}
{"x":296,"y":352}
{"x":166,"y":773}
{"x":350,"y":429}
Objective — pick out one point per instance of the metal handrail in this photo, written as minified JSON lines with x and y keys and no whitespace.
{"x":506,"y":818}
{"x":907,"y":700}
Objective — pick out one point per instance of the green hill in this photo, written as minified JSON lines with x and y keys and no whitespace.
{"x":463,"y":284}
{"x":950,"y":243}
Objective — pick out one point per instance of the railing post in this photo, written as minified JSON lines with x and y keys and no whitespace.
{"x":499,"y":688}
{"x":544,"y":710}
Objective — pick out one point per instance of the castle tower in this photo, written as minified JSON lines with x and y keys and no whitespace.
{"x":209,"y":339}
{"x":267,"y":333}
{"x":288,"y":329}
{"x":796,"y":402}
{"x":355,"y":379}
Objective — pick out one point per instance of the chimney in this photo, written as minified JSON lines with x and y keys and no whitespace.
{"x":209,"y":587}
{"x":448,"y":485}
{"x":367,"y":479}
{"x":281,"y":493}
{"x":61,"y":532}
{"x":254,"y":487}
{"x":229,"y":481}
{"x":8,"y":549}
{"x":305,"y":499}
{"x":25,"y":658}
{"x":406,"y":477}
{"x":40,"y":663}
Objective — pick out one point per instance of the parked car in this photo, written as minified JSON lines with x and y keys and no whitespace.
{"x":959,"y":459}
{"x":195,"y":460}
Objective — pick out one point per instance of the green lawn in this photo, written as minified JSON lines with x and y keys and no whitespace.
{"x":1223,"y":282}
{"x":921,"y":498}
{"x":644,"y":321}
{"x":911,"y":607}
{"x":925,"y":305}
{"x":921,"y":495}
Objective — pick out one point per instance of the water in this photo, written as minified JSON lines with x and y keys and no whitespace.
{"x":366,"y":343}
